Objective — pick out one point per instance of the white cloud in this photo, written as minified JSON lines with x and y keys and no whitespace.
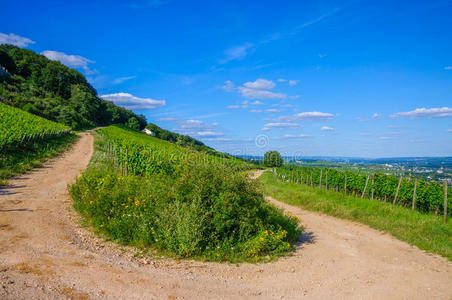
{"x":439,"y":112}
{"x":449,"y":130}
{"x":122,"y":79}
{"x":236,"y":53}
{"x":272,"y":110}
{"x":326,"y":128}
{"x":294,"y":97}
{"x":259,"y":94}
{"x":259,"y":89}
{"x":131,"y":102}
{"x":448,"y":68}
{"x":228,"y":86}
{"x":376,"y":116}
{"x":281,"y":125}
{"x":237,"y":106}
{"x":322,"y":55}
{"x":196,"y":125}
{"x":73,"y":61}
{"x":257,"y":102}
{"x":256,"y":110}
{"x":307,"y":116}
{"x":293,"y":136}
{"x":260,"y":84}
{"x":209,"y":134}
{"x":282,"y":80}
{"x":166,"y":119}
{"x":15,"y":40}
{"x":293,"y":82}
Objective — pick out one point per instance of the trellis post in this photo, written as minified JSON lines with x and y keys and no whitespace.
{"x":397,"y":192}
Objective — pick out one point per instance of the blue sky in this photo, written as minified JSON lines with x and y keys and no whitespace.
{"x":336,"y":78}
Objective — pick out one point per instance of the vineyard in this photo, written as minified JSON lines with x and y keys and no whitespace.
{"x":19,"y":128}
{"x":27,"y":140}
{"x":152,"y":194}
{"x":409,"y":192}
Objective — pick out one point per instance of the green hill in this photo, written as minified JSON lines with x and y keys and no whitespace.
{"x":51,"y":90}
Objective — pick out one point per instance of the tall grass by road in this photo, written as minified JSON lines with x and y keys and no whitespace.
{"x":423,"y":230}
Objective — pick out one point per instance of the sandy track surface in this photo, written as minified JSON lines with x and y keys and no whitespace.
{"x":45,"y":254}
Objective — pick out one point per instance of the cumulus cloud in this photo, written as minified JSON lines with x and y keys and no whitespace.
{"x":260,"y":94}
{"x":73,"y":61}
{"x":132,"y":102}
{"x":260,"y":84}
{"x":282,"y":80}
{"x":448,"y":68}
{"x":259,"y":89}
{"x":307,"y":116}
{"x":376,"y":116}
{"x":269,"y":126}
{"x":209,"y":134}
{"x":257,"y":102}
{"x":122,"y":79}
{"x":439,"y":112}
{"x":236,"y":53}
{"x":15,"y":40}
{"x":198,"y":128}
{"x":228,"y":86}
{"x":326,"y":128}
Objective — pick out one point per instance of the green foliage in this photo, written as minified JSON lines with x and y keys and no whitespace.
{"x":426,"y":231}
{"x":27,"y":140}
{"x":133,"y":123}
{"x":272,"y":159}
{"x":51,"y":90}
{"x":179,"y":200}
{"x":19,"y":128}
{"x":429,"y":195}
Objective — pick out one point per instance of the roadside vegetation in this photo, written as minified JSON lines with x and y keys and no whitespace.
{"x":27,"y":140}
{"x":424,"y":230}
{"x":152,"y":194}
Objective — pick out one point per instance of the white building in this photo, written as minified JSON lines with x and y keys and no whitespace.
{"x":148,"y":132}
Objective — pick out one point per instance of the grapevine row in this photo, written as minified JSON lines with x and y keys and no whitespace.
{"x":406,"y":191}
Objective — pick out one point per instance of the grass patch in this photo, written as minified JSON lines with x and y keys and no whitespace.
{"x":32,"y":155}
{"x":206,"y":211}
{"x":425,"y":231}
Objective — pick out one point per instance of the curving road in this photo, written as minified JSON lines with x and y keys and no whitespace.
{"x":46,"y":254}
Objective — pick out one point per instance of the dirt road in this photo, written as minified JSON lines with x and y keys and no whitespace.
{"x":45,"y":254}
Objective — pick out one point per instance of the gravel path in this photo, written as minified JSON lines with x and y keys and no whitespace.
{"x":46,"y":254}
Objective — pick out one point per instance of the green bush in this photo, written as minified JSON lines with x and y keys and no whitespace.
{"x":208,"y":211}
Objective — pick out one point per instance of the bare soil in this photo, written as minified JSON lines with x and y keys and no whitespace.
{"x":46,"y":254}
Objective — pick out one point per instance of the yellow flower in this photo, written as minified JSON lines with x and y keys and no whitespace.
{"x":262,"y":238}
{"x":91,"y":202}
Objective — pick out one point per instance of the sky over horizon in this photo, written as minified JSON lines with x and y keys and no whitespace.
{"x":315,"y":78}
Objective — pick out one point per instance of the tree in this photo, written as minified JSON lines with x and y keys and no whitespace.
{"x":133,"y":123}
{"x":272,"y":159}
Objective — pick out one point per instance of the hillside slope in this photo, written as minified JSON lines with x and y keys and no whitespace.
{"x":51,"y":90}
